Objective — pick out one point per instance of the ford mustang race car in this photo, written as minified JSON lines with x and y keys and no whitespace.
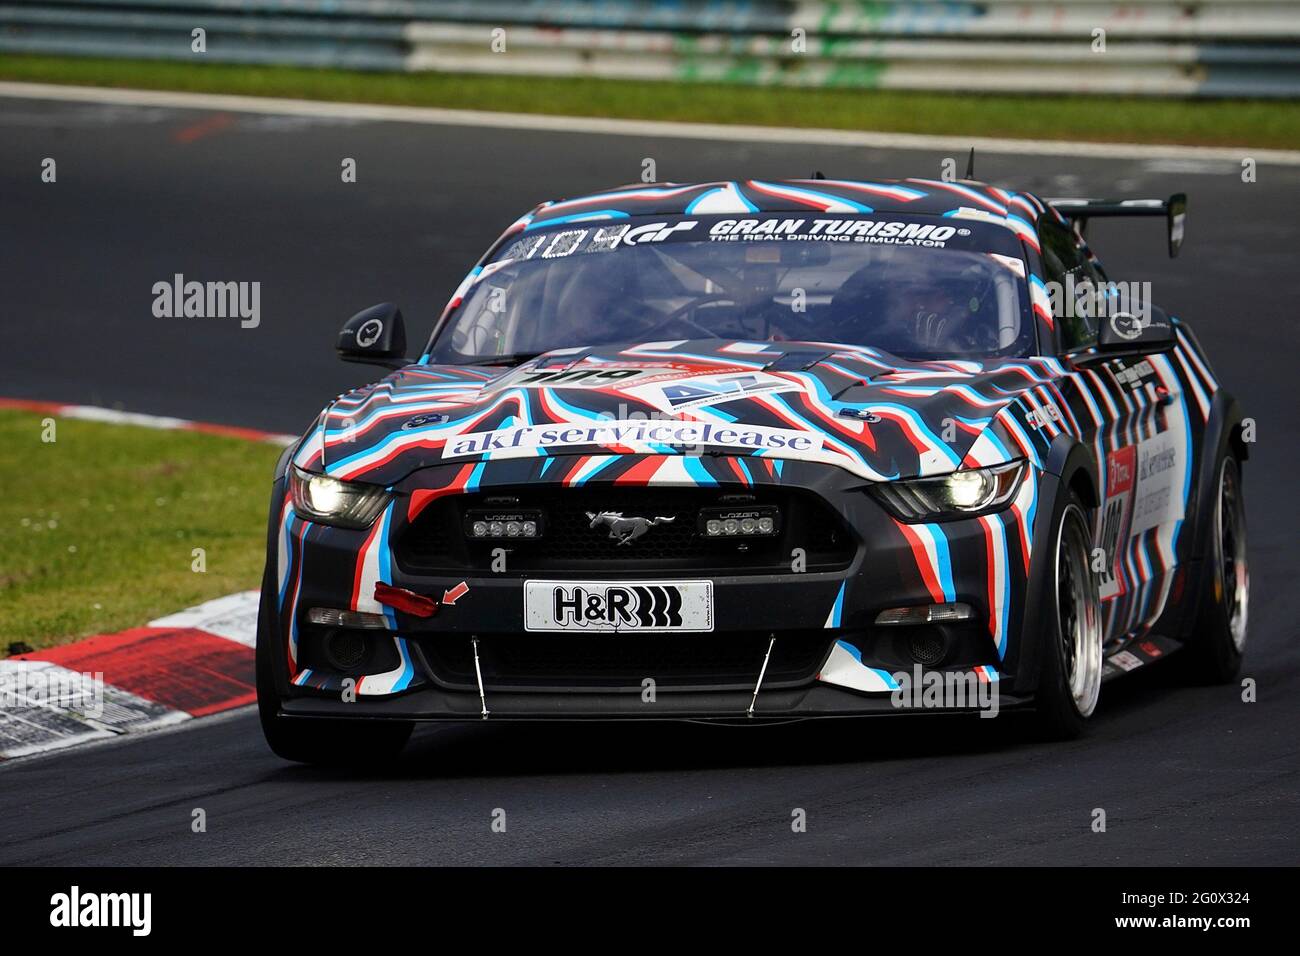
{"x":758,"y":451}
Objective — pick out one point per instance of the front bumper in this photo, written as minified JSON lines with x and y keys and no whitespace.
{"x":837,"y":660}
{"x":773,"y":706}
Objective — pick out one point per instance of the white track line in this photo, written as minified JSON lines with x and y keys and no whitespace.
{"x":640,"y":128}
{"x":233,"y":617}
{"x":46,"y":707}
{"x":159,"y":730}
{"x":114,"y":416}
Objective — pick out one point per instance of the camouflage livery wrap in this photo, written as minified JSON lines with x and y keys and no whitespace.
{"x":807,"y":429}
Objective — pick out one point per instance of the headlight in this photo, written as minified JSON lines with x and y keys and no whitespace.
{"x":969,"y":492}
{"x":345,"y":504}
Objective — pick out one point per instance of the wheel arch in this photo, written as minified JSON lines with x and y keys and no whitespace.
{"x":1068,"y":466}
{"x":1076,"y":465}
{"x":1223,"y":434}
{"x":1224,"y":427}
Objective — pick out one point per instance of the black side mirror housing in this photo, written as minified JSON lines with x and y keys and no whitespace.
{"x":1144,"y":331}
{"x":374,"y":336}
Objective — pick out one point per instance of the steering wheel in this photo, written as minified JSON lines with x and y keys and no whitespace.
{"x":679,"y":314}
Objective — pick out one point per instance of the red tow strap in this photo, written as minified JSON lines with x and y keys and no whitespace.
{"x":403,"y":600}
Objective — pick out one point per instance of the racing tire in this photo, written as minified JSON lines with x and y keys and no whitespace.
{"x":1218,"y":636}
{"x":331,"y":741}
{"x":1070,"y":682}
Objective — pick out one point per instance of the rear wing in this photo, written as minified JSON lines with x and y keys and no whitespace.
{"x":1173,"y":209}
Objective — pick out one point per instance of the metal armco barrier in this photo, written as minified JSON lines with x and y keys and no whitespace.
{"x":1151,"y":47}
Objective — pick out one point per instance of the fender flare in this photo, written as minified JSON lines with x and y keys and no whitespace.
{"x":268,"y":618}
{"x":1222,"y":433}
{"x":1069,"y":463}
{"x":282,"y":465}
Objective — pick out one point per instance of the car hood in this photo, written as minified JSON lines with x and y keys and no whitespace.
{"x":866,"y":411}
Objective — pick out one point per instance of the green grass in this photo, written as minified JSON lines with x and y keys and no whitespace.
{"x":97,"y":528}
{"x":1254,"y":123}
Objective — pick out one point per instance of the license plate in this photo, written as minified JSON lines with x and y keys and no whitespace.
{"x":613,"y":606}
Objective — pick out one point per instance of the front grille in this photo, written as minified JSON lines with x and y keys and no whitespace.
{"x":606,"y":662}
{"x":436,"y":541}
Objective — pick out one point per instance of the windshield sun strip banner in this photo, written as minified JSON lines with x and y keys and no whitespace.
{"x":561,"y":240}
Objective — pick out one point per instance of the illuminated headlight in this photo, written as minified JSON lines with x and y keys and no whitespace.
{"x":968,"y":492}
{"x":487,"y":525}
{"x":344,"y":504}
{"x":747,"y":522}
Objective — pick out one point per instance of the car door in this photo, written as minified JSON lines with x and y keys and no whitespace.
{"x":1133,"y":419}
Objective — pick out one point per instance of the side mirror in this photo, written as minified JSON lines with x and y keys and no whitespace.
{"x":374,"y":336}
{"x":1147,"y":329}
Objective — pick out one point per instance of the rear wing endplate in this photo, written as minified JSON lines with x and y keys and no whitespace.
{"x":1173,"y":209}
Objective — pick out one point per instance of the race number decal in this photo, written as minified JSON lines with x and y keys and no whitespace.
{"x":608,"y":606}
{"x":1121,"y":467}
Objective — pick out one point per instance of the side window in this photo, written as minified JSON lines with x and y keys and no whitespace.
{"x":489,"y":321}
{"x":1077,"y":282}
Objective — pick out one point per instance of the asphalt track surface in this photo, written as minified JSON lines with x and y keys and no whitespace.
{"x":1186,"y":774}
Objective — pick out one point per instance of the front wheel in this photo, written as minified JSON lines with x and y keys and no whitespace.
{"x":1070,"y":682}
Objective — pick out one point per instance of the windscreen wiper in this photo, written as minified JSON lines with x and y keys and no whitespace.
{"x":518,"y":358}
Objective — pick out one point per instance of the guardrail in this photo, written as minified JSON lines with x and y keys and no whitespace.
{"x":1145,"y":47}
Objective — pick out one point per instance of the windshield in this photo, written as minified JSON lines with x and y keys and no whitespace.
{"x":918,"y":287}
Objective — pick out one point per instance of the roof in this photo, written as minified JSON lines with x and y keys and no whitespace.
{"x":926,"y":197}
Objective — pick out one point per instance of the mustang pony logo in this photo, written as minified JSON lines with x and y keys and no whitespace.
{"x":625,"y":530}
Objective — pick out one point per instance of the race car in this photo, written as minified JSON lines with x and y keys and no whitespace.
{"x":754,"y":451}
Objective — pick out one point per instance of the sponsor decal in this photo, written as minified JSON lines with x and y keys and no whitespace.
{"x":1138,"y":654}
{"x":1126,"y":661}
{"x":592,"y":238}
{"x":615,"y":606}
{"x":655,"y":232}
{"x":1037,"y":418}
{"x":678,"y":434}
{"x":875,"y":231}
{"x":698,"y":393}
{"x":1134,"y":375}
{"x":1158,"y":499}
{"x":369,"y":333}
{"x":623,"y":375}
{"x":1121,"y":477}
{"x":419,"y":421}
{"x":1127,"y":325}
